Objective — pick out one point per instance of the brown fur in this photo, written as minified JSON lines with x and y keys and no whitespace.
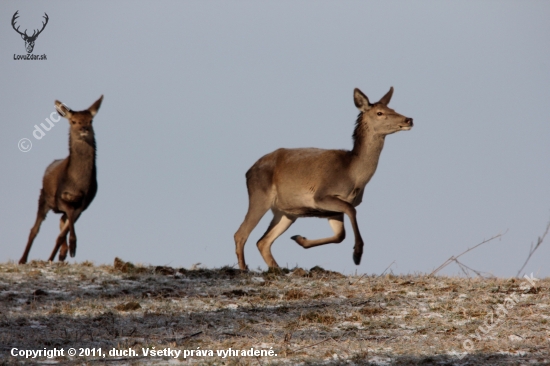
{"x":69,"y":185}
{"x":312,"y":182}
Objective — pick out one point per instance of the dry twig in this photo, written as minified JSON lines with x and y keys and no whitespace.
{"x":533,"y":249}
{"x":465,"y":268}
{"x":454,"y":258}
{"x":391,"y":264}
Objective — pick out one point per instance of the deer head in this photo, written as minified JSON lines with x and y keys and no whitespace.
{"x":80,"y":121}
{"x":378,"y":116}
{"x":29,"y":40}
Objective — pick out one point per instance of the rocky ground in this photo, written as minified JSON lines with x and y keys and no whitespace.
{"x":314,"y":317}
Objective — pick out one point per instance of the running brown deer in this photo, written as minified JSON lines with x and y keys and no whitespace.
{"x":312,"y":182}
{"x":69,"y":185}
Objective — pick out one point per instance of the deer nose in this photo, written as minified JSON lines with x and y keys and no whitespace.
{"x":409,"y":121}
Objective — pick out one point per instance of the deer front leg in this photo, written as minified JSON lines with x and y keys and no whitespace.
{"x":61,"y":240}
{"x":331,"y":203}
{"x":64,"y":248}
{"x":67,"y":227}
{"x":71,"y":219}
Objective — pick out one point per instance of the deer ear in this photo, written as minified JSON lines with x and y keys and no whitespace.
{"x":94,"y":107}
{"x":386,"y":98}
{"x":23,"y":36}
{"x":361,"y":101}
{"x":63,"y":110}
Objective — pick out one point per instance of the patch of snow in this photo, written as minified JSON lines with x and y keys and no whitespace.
{"x":382,"y":361}
{"x":91,"y":287}
{"x":433,"y":315}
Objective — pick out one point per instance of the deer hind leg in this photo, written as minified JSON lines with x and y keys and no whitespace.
{"x":278,"y":226}
{"x":337,"y":225}
{"x":40,"y":216}
{"x":257,"y":207}
{"x":330,"y":203}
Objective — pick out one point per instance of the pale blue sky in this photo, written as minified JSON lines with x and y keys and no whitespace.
{"x":197,"y":91}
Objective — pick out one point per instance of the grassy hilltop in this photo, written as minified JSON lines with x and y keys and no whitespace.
{"x":310,"y":317}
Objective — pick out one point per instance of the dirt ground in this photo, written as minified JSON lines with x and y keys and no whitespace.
{"x":225,"y":317}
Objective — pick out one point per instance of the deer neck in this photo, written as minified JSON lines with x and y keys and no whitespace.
{"x":81,"y":161}
{"x":365,"y":155}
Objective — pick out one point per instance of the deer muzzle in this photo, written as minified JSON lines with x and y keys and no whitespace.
{"x":407,"y":124}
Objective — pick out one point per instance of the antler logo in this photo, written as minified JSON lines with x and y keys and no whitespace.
{"x":29,"y":40}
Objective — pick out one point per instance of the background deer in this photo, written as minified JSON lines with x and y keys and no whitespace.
{"x":69,"y":185}
{"x":314,"y":182}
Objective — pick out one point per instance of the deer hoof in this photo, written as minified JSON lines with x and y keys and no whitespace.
{"x":298,"y":239}
{"x":357,"y":258}
{"x":22,"y":261}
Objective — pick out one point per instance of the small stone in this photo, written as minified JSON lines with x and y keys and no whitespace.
{"x":299,"y":272}
{"x":132,"y":305}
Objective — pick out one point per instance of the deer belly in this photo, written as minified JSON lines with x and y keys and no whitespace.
{"x":309,"y":212}
{"x":294,"y":203}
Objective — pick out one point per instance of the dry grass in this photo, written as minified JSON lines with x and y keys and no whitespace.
{"x":308,"y":317}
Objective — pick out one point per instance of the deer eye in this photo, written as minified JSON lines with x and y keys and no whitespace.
{"x":379,"y":113}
